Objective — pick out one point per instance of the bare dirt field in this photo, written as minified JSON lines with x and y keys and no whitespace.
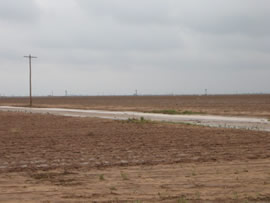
{"x":46,"y":158}
{"x":235,"y":105}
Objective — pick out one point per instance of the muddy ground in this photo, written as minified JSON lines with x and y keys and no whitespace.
{"x":46,"y":158}
{"x":235,"y":105}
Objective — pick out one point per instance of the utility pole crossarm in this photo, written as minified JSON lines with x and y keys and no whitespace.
{"x":33,"y":57}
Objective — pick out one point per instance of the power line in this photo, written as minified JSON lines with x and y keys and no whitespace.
{"x":30,"y":77}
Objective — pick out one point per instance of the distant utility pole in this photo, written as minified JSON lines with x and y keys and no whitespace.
{"x":30,"y":77}
{"x":205,"y":91}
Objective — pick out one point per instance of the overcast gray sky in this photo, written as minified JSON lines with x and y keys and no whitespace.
{"x":96,"y":47}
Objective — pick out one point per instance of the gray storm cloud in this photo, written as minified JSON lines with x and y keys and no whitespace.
{"x":117,"y":46}
{"x":18,"y":11}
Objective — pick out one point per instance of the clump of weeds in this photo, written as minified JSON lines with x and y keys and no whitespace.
{"x":55,"y":178}
{"x":235,"y":196}
{"x":176,"y":112}
{"x":113,"y":188}
{"x":135,"y":120}
{"x":182,"y":200}
{"x":198,"y":195}
{"x":101,"y":177}
{"x":124,"y":176}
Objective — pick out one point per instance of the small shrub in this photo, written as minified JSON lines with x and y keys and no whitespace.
{"x":182,"y":200}
{"x":124,"y":176}
{"x":101,"y":177}
{"x":198,"y":195}
{"x":235,"y":196}
{"x":113,"y":188}
{"x":141,"y":120}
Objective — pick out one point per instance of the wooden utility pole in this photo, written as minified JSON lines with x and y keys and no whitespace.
{"x":30,"y":77}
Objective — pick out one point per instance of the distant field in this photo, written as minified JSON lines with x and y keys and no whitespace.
{"x":237,"y":105}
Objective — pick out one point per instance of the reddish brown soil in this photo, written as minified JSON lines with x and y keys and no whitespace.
{"x":247,"y":105}
{"x":45,"y":157}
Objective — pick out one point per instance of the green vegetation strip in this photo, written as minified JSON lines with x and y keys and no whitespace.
{"x":141,"y":120}
{"x":175,"y":112}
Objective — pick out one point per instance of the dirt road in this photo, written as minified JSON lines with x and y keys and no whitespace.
{"x":259,"y":124}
